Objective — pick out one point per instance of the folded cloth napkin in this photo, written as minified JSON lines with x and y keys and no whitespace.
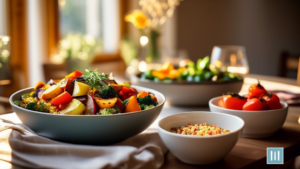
{"x":20,"y":147}
{"x":289,"y":97}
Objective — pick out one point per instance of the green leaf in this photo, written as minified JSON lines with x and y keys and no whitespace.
{"x":94,"y":78}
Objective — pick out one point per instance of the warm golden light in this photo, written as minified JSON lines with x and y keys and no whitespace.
{"x":142,"y":66}
{"x":233,"y":59}
{"x":144,"y":40}
{"x":5,"y":39}
{"x":240,"y":70}
{"x":56,"y":59}
{"x":5,"y":82}
{"x":216,"y":64}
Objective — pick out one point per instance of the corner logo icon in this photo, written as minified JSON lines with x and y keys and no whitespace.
{"x":274,"y":155}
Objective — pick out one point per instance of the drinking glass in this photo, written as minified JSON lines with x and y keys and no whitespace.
{"x":231,"y":58}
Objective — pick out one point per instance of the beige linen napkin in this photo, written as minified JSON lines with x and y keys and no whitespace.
{"x":20,"y":147}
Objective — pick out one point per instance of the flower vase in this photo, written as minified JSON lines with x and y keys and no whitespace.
{"x":153,"y":52}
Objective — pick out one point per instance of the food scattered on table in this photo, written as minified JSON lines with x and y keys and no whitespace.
{"x":189,"y":71}
{"x":203,"y":129}
{"x":91,"y":93}
{"x":258,"y":99}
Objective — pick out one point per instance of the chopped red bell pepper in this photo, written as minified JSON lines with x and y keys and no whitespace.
{"x":63,"y":98}
{"x":126,"y":93}
{"x":75,"y":74}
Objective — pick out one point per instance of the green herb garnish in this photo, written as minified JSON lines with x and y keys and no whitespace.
{"x":94,"y":78}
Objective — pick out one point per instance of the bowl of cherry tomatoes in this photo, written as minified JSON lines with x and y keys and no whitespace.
{"x":263,"y":112}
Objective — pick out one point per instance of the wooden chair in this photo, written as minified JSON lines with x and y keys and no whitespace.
{"x":289,"y":65}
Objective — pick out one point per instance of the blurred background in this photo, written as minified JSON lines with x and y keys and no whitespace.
{"x":43,"y":40}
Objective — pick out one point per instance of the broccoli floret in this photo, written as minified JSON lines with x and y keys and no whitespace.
{"x":111,"y":110}
{"x":31,"y":106}
{"x":18,"y":102}
{"x":41,"y":106}
{"x":125,"y":102}
{"x":147,"y":100}
{"x":145,"y":107}
{"x":108,"y":92}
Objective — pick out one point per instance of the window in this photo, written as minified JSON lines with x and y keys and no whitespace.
{"x":93,"y":25}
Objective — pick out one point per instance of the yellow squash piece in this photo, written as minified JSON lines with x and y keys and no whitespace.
{"x":80,"y":89}
{"x":51,"y":92}
{"x":106,"y":103}
{"x":75,"y":107}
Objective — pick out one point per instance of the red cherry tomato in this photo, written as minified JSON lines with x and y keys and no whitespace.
{"x":256,"y":90}
{"x":234,"y":101}
{"x":255,"y":104}
{"x":272,"y":101}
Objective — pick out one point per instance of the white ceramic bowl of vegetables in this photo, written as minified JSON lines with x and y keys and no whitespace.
{"x":192,"y":85}
{"x":75,"y":110}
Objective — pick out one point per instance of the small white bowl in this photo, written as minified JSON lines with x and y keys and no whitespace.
{"x":258,"y":124}
{"x":200,"y":150}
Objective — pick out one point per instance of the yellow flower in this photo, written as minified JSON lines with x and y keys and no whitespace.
{"x":137,"y":18}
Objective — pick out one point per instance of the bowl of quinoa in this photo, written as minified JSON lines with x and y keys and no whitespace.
{"x":200,"y":138}
{"x":202,"y":129}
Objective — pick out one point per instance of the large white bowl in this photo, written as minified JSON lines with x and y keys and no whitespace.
{"x":88,"y":129}
{"x":200,"y":149}
{"x":258,"y":124}
{"x":189,"y":93}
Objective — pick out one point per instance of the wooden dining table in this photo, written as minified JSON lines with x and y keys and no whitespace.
{"x":247,"y":153}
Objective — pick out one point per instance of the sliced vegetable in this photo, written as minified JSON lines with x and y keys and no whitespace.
{"x":132,"y":105}
{"x":39,"y":92}
{"x":91,"y":108}
{"x":105,"y":103}
{"x":119,"y":104}
{"x":80,"y":89}
{"x":72,"y":76}
{"x":69,"y":86}
{"x":142,"y":94}
{"x":82,"y":99}
{"x":75,"y":107}
{"x":38,"y":85}
{"x":117,"y":87}
{"x":63,"y":98}
{"x":51,"y":92}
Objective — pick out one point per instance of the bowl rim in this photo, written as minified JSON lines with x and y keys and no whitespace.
{"x":285,"y":106}
{"x":112,"y":115}
{"x":187,"y":83}
{"x":202,"y":137}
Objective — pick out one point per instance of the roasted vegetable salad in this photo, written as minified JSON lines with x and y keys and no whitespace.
{"x":190,"y":71}
{"x":91,"y":93}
